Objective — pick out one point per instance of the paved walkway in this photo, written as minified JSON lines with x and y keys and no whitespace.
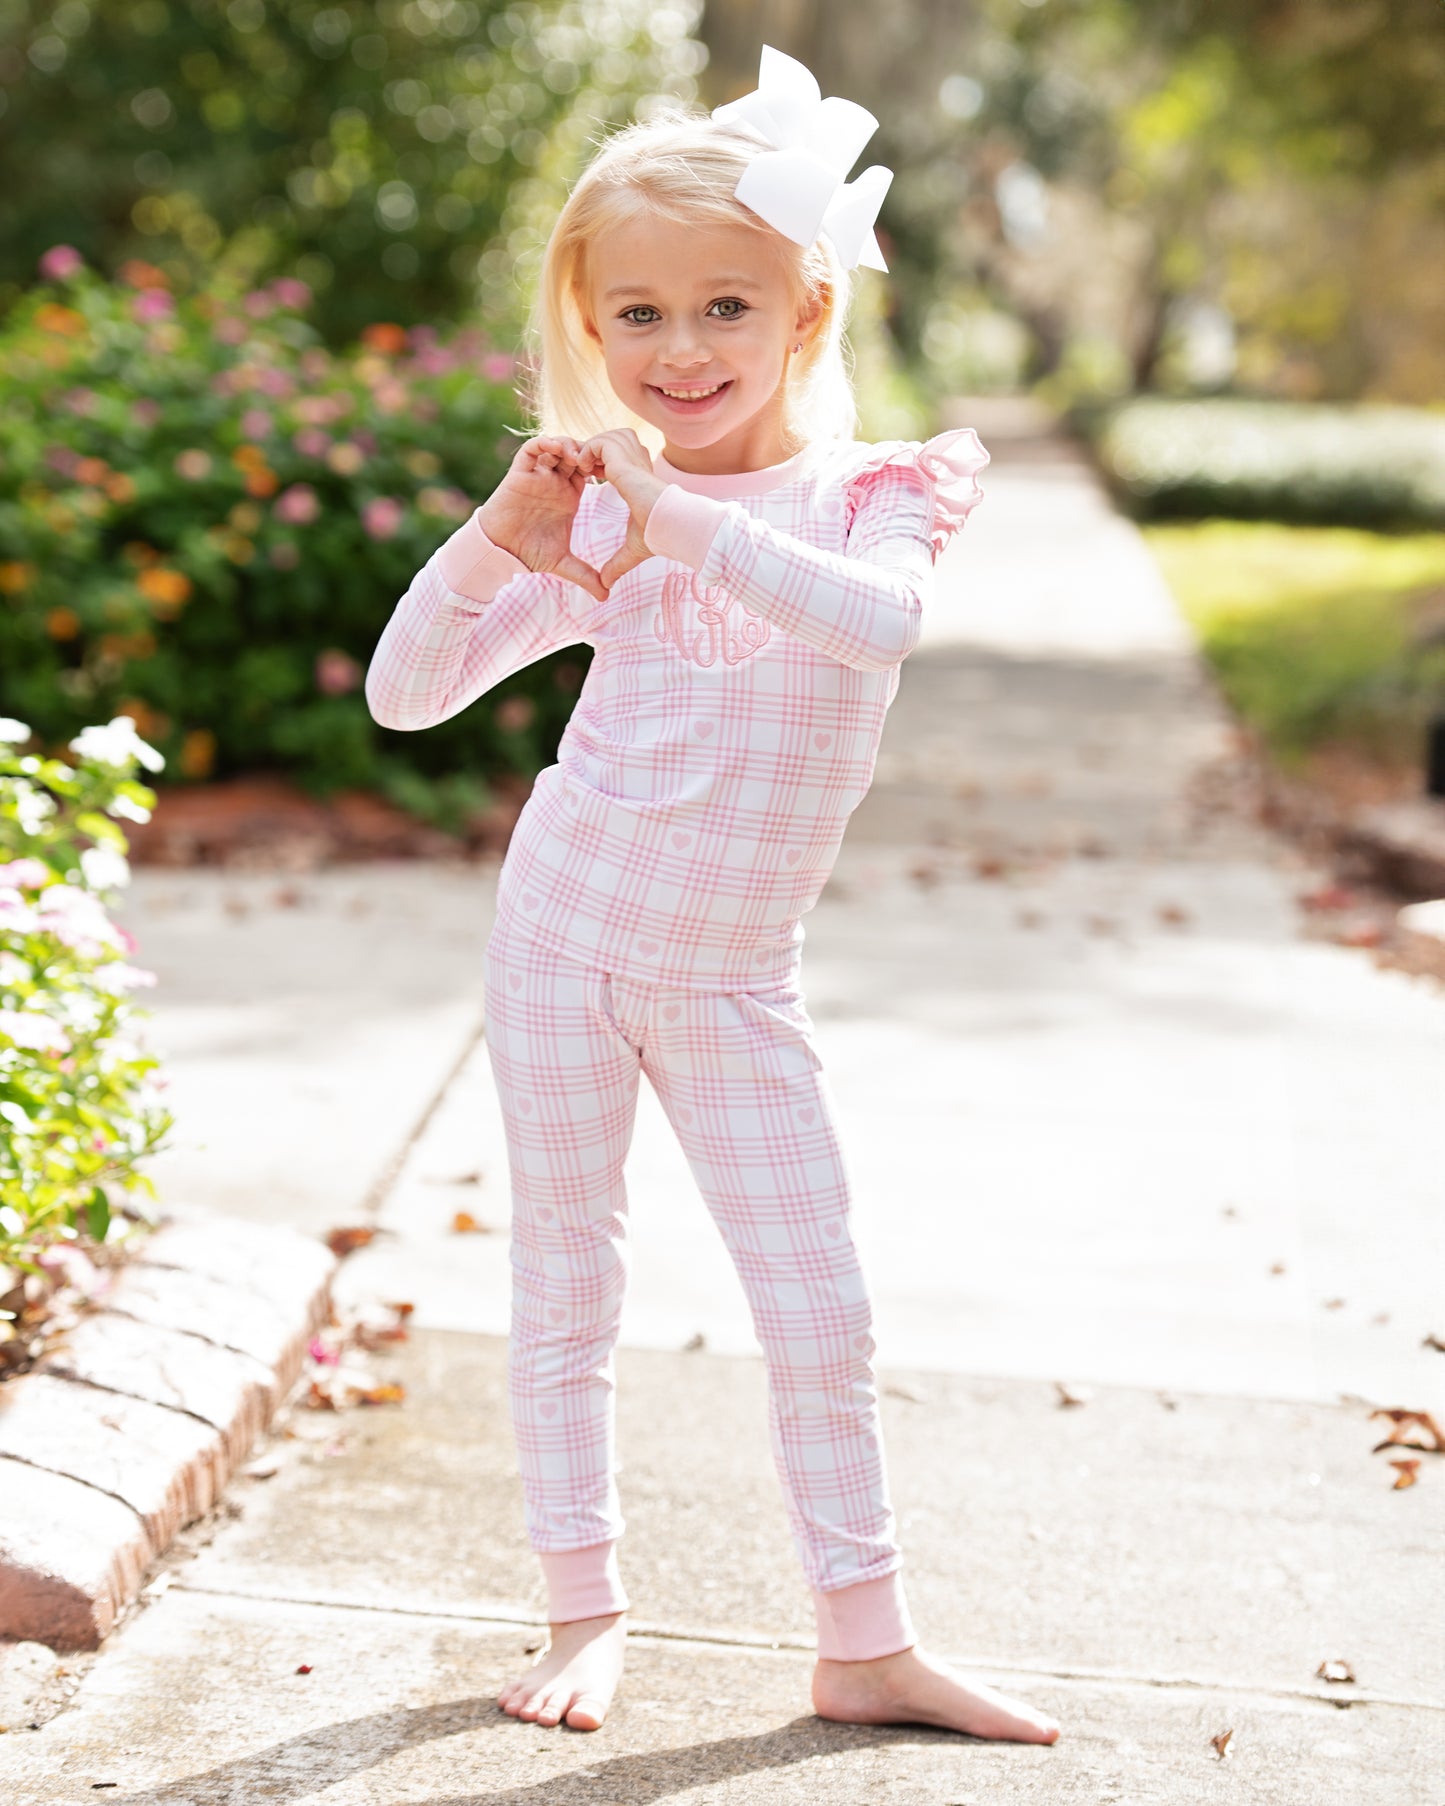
{"x":1113,"y":1122}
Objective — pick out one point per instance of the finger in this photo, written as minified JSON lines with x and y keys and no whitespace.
{"x":583,"y":575}
{"x":619,"y":564}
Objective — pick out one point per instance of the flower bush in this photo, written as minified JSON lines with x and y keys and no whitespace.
{"x":206,"y":519}
{"x":1309,"y":463}
{"x":80,"y":1104}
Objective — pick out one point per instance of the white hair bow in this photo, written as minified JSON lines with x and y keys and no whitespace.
{"x":799,"y":186}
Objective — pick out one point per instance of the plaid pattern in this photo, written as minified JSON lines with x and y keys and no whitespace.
{"x":731,"y":715}
{"x":741,"y":1082}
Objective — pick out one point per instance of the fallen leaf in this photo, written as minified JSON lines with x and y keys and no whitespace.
{"x":532,"y":1647}
{"x":1174,"y":914}
{"x":1075,"y":1395}
{"x":1334,"y":1304}
{"x":989,"y":865}
{"x":1335,"y":1670}
{"x":1168,"y":1400}
{"x":1380,"y":1317}
{"x":1405,"y":1473}
{"x":390,"y":1393}
{"x":1228,"y":1210}
{"x":464,"y":1223}
{"x":342,"y":1242}
{"x":261,"y":1470}
{"x":1402,"y":1422}
{"x":924,"y":873}
{"x":1029,"y":918}
{"x":1433,"y":1341}
{"x":1101,"y":925}
{"x":402,"y":1310}
{"x":287,"y":897}
{"x":455,"y":1179}
{"x":1221,"y":1743}
{"x":1278,"y":1268}
{"x":694,"y":1342}
{"x":305,"y":1668}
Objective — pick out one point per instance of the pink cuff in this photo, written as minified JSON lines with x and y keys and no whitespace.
{"x":582,"y":1583}
{"x":473,"y":565}
{"x":683,"y":525}
{"x":863,"y":1621}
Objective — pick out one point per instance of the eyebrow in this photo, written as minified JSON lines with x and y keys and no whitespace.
{"x":708,"y":282}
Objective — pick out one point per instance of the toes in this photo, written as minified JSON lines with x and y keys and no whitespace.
{"x":551,"y":1708}
{"x":587,"y":1713}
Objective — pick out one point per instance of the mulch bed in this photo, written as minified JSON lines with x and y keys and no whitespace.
{"x":265,"y":822}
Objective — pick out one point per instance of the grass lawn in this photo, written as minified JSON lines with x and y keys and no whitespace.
{"x":1320,"y":636}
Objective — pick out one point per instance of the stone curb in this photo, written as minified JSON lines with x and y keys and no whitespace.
{"x":1405,"y":843}
{"x":130,"y":1426}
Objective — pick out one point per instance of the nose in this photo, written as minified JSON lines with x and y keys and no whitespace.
{"x":684,"y":348}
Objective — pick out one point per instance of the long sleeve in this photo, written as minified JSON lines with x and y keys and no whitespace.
{"x":471,"y":616}
{"x":863,"y":608}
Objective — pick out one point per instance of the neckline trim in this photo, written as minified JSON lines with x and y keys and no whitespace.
{"x":733,"y":483}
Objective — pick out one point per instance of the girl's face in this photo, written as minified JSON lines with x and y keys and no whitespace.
{"x":696,"y":326}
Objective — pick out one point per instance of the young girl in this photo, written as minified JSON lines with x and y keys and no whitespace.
{"x":750,"y":578}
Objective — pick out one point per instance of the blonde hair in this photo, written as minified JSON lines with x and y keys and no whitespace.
{"x":683,"y":167}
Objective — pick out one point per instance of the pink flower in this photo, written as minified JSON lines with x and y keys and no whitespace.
{"x":255,"y":423}
{"x":311,"y":442}
{"x":514,"y":713}
{"x":298,"y":505}
{"x":145,"y":412}
{"x":79,"y":401}
{"x":290,"y":292}
{"x":59,"y":262}
{"x":127,"y":939}
{"x":318,"y":1351}
{"x":231,"y":331}
{"x":24,"y":874}
{"x":125,"y":976}
{"x":61,"y":458}
{"x":152,"y":304}
{"x":336,"y":672}
{"x":382,"y":517}
{"x":259,"y":304}
{"x":275,"y":383}
{"x":193,"y":465}
{"x":497,"y":367}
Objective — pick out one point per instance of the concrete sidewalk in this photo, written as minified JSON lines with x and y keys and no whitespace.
{"x":1114,"y":1122}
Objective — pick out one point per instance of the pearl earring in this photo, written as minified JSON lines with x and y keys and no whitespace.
{"x":798,"y":346}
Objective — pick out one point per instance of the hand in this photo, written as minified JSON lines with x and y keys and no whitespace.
{"x":622,"y":460}
{"x":532,"y":509}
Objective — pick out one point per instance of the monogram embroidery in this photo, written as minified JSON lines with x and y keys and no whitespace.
{"x":705,"y":623}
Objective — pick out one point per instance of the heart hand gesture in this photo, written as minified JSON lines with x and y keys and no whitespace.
{"x":620,"y":458}
{"x":532,"y":509}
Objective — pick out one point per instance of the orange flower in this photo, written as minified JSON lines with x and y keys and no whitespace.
{"x":91,"y":470}
{"x":62,"y":623}
{"x":140,"y":274}
{"x":198,"y":752}
{"x":138,"y":552}
{"x":127,"y":645}
{"x":262,"y":482}
{"x":166,"y":590}
{"x":15,"y":577}
{"x":248,"y":457}
{"x":119,"y":487}
{"x":52,"y":317}
{"x":386,"y":337}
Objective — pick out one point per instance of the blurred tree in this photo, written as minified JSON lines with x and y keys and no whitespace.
{"x":378,"y":149}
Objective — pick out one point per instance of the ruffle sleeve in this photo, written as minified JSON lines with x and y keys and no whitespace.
{"x":949,"y":465}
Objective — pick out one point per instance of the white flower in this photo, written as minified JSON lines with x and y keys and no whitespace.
{"x":116,"y":744}
{"x":28,"y":1028}
{"x":122,"y":805}
{"x":104,"y":868}
{"x":16,"y":915}
{"x":33,"y":808}
{"x":13,"y":732}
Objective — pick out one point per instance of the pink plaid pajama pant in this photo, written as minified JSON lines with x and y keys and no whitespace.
{"x":741,"y":1082}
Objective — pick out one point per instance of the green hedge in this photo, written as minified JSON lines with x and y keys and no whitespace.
{"x":206,"y":519}
{"x":1360,"y":466}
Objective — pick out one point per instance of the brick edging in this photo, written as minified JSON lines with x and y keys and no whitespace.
{"x":132,"y":1423}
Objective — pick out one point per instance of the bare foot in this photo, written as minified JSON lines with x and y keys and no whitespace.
{"x":914,"y":1688}
{"x":575,"y":1675}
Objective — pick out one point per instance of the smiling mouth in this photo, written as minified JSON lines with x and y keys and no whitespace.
{"x":686,"y":396}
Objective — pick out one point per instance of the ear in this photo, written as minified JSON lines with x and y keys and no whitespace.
{"x":810,"y":311}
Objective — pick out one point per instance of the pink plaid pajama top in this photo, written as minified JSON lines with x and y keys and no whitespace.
{"x":731,"y":715}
